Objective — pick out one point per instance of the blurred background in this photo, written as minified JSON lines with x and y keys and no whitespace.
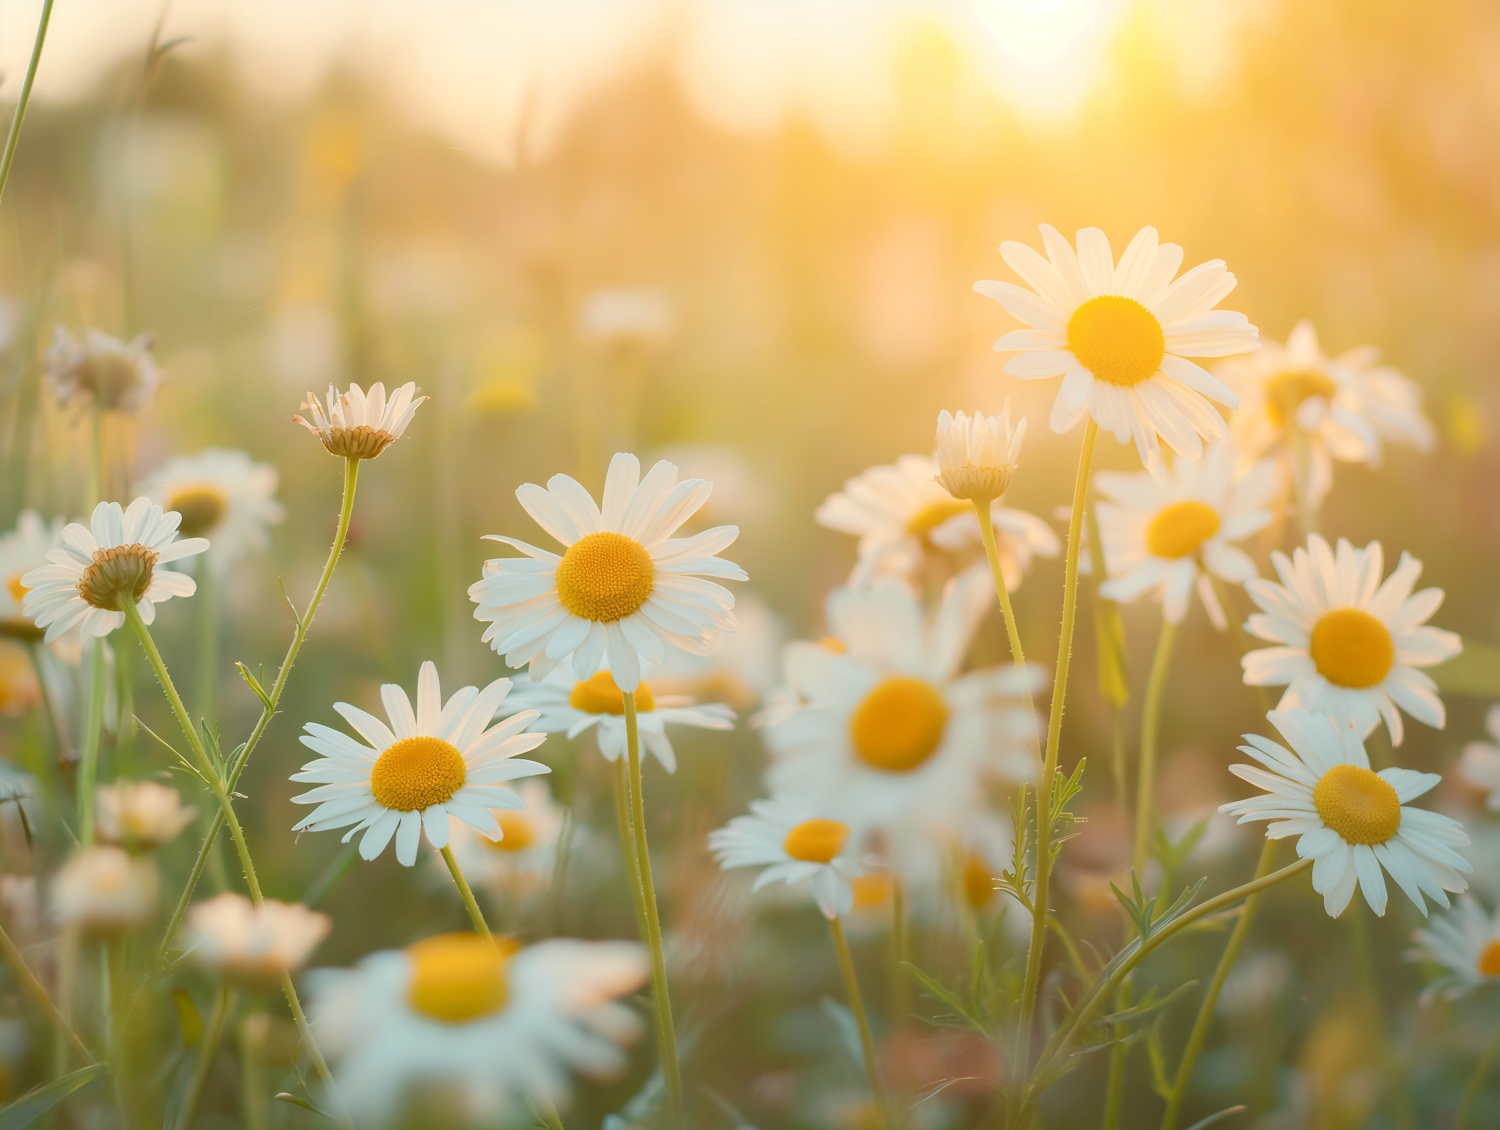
{"x":740,"y":234}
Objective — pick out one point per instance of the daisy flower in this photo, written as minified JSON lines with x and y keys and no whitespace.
{"x":120,"y":553}
{"x":104,"y":889}
{"x":492,"y":1023}
{"x":252,"y":945}
{"x":879,"y":728}
{"x":115,"y":375}
{"x":428,"y":764}
{"x":1466,"y":943}
{"x":1349,"y":819}
{"x":522,"y":859}
{"x":222,"y":496}
{"x":21,"y":550}
{"x":1167,"y":534}
{"x":1480,"y":764}
{"x":359,"y":424}
{"x":140,"y":815}
{"x":904,"y":519}
{"x":571,"y":705}
{"x":1350,"y":646}
{"x":977,"y":455}
{"x":793,"y":847}
{"x":624,"y":590}
{"x":1120,"y":337}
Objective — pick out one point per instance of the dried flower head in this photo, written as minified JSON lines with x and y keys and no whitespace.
{"x":976,"y":455}
{"x":102,"y":370}
{"x":360,"y":425}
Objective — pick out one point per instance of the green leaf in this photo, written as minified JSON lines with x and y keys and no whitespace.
{"x":1476,"y":671}
{"x":957,"y":1008}
{"x":39,"y":1100}
{"x":1205,"y":1123}
{"x":254,"y":684}
{"x":1148,"y":1005}
{"x":187,"y":1018}
{"x":288,"y":1097}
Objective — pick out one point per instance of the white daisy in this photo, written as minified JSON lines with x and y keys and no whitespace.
{"x":880,"y":730}
{"x":792,"y":846}
{"x":570,"y":705}
{"x":101,"y":370}
{"x":21,"y":550}
{"x":522,"y":859}
{"x":977,"y":455}
{"x":104,"y":889}
{"x":493,"y":1024}
{"x":359,"y":424}
{"x":1480,"y":764}
{"x":252,"y":945}
{"x":1351,"y":820}
{"x":222,"y":496}
{"x":140,"y":815}
{"x":1466,"y":943}
{"x":1164,"y":533}
{"x":904,"y":518}
{"x":624,"y":591}
{"x":1351,"y":645}
{"x":427,"y":765}
{"x":1120,"y":337}
{"x":120,"y":552}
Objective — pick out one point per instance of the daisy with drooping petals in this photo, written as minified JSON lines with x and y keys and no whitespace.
{"x":1480,"y":764}
{"x":1169,"y":533}
{"x":1466,"y":943}
{"x":118,"y":555}
{"x":1349,"y":819}
{"x":522,"y":859}
{"x":21,"y":550}
{"x":359,"y":424}
{"x":222,"y":496}
{"x":498,"y":1024}
{"x":624,"y":591}
{"x":1120,"y":337}
{"x":1350,"y":645}
{"x":428,"y":764}
{"x":794,"y":847}
{"x":904,"y":518}
{"x":571,"y":705}
{"x":252,"y":945}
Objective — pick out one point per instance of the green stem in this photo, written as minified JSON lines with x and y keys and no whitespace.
{"x":13,"y":138}
{"x":857,"y":1006}
{"x":666,"y":1035}
{"x":88,"y":756}
{"x":208,"y":1050}
{"x":1145,"y":790}
{"x":290,"y":992}
{"x":1471,"y":1092}
{"x":1119,"y":1052}
{"x":1211,"y":998}
{"x":38,"y":993}
{"x":253,"y":1089}
{"x":627,"y":842}
{"x":475,"y":914}
{"x":900,"y":996}
{"x":1013,"y":633}
{"x":1049,"y":766}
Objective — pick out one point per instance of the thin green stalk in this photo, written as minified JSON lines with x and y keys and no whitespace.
{"x":666,"y":1035}
{"x":1145,"y":790}
{"x":13,"y":138}
{"x":290,"y":992}
{"x":475,"y":914}
{"x":34,"y":989}
{"x":1471,"y":1092}
{"x":857,"y":1006}
{"x":1049,"y":765}
{"x":627,"y":842}
{"x":88,"y":757}
{"x":208,"y":1050}
{"x":253,"y":1090}
{"x":900,"y":996}
{"x":1211,"y":997}
{"x":1117,"y":755}
{"x":1013,"y":633}
{"x":1119,"y":1052}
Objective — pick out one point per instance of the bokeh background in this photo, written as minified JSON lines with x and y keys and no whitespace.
{"x":789,"y":200}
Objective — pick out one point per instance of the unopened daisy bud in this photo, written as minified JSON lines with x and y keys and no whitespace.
{"x":111,"y":374}
{"x":140,"y":815}
{"x":249,"y":945}
{"x":359,"y":424}
{"x":976,"y":455}
{"x":104,"y":889}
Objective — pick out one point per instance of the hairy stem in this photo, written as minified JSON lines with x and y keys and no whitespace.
{"x":857,"y":1006}
{"x":627,"y":841}
{"x":475,"y":914}
{"x":1013,"y":634}
{"x":14,"y":136}
{"x":1145,"y":790}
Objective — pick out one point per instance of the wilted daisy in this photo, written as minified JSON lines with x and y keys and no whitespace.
{"x":492,"y":1025}
{"x":1466,"y":943}
{"x":359,"y":424}
{"x":1166,"y":534}
{"x":21,"y":550}
{"x":792,"y":846}
{"x":140,"y":815}
{"x":571,"y":705}
{"x":104,"y":889}
{"x":904,"y":518}
{"x":101,"y":370}
{"x":222,"y":495}
{"x":426,"y":765}
{"x":1350,"y":645}
{"x":522,"y":859}
{"x":252,"y":945}
{"x":1120,"y":337}
{"x":120,"y":553}
{"x":1351,"y":820}
{"x":624,"y":591}
{"x":976,"y":455}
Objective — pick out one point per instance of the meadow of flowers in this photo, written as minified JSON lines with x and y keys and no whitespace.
{"x":544,"y":722}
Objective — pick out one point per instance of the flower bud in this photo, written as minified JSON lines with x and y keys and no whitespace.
{"x":976,"y":455}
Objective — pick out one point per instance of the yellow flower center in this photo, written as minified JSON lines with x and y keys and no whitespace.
{"x":1179,"y":529}
{"x":933,"y":515}
{"x":117,"y":571}
{"x":833,"y":644}
{"x":417,"y":773}
{"x":979,"y":884}
{"x":605,"y":577}
{"x":1351,"y":648}
{"x":599,"y":695}
{"x":1358,"y":804}
{"x":202,"y":506}
{"x":18,"y":591}
{"x":871,"y":890}
{"x":456,"y":978}
{"x":1285,"y":393}
{"x":816,"y":841}
{"x":1489,"y":958}
{"x":899,"y":725}
{"x":517,"y":828}
{"x":1117,"y":339}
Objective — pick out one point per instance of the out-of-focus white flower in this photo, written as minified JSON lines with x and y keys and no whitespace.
{"x":101,"y":370}
{"x":522,"y":859}
{"x":21,"y":550}
{"x":976,"y":455}
{"x":140,"y":815}
{"x":627,"y":316}
{"x":222,"y":496}
{"x":359,"y":424}
{"x":1466,"y":943}
{"x":22,"y":906}
{"x":780,"y":836}
{"x":741,"y":670}
{"x":1255,"y":983}
{"x":104,"y":889}
{"x":1480,"y":765}
{"x":250,"y":945}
